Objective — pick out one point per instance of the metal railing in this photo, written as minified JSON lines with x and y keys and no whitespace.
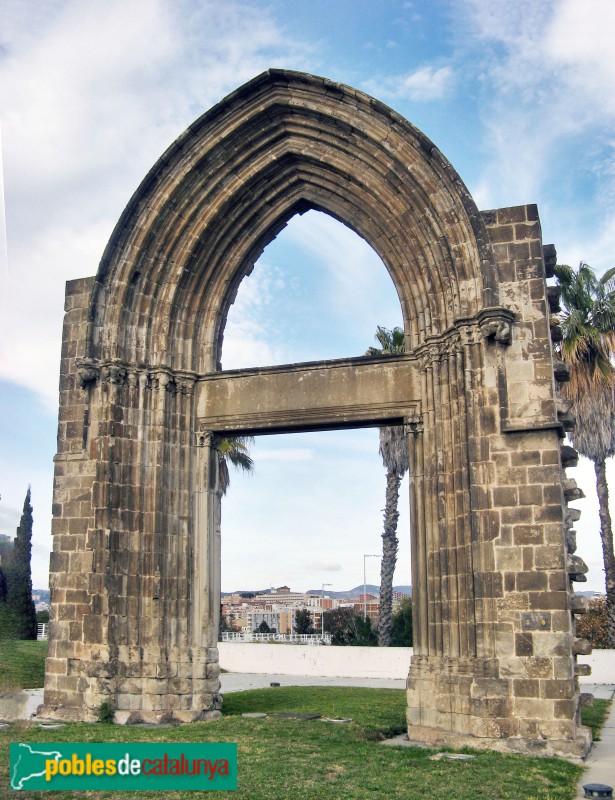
{"x":282,"y":638}
{"x":42,"y":631}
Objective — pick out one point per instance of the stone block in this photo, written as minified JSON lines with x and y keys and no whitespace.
{"x":528,"y":534}
{"x":499,"y":707}
{"x":564,"y":709}
{"x":558,"y":689}
{"x":508,"y":559}
{"x":586,"y":700}
{"x":56,"y":666}
{"x":581,"y":647}
{"x":548,"y":600}
{"x":531,"y":581}
{"x":563,"y":667}
{"x":551,"y":644}
{"x":539,"y":667}
{"x":531,"y":708}
{"x":526,"y":688}
{"x":549,"y":557}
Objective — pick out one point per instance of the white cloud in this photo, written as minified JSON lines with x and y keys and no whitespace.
{"x":284,"y":519}
{"x":580,"y":38}
{"x":319,"y":290}
{"x":540,"y":89}
{"x":356,"y":274}
{"x":91,"y":94}
{"x":247,"y":338}
{"x":290,"y":454}
{"x":422,"y":85}
{"x":325,"y":566}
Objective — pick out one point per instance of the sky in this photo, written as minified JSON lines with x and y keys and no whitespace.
{"x":520,"y":97}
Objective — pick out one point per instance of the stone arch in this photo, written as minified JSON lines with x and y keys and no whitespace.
{"x":281,"y":144}
{"x":135,"y":568}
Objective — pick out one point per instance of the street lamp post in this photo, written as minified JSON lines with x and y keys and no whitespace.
{"x":322,"y":610}
{"x":365,"y":584}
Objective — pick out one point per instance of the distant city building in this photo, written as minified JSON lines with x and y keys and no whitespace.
{"x":279,"y":607}
{"x":256,"y":619}
{"x":286,"y":598}
{"x":372,"y":608}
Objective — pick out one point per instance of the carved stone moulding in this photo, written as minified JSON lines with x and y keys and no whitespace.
{"x":92,"y":372}
{"x":490,"y":325}
{"x":496,"y":324}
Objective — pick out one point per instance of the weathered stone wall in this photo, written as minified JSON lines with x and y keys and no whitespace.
{"x":72,"y":591}
{"x":522,"y":688}
{"x":122,"y":561}
{"x":135,"y":571}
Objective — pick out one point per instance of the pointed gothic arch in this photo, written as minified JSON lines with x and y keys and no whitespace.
{"x":135,"y":568}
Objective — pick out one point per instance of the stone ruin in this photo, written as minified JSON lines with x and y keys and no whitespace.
{"x":135,"y":568}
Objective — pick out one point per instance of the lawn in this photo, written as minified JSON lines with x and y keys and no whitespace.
{"x":594,"y":716}
{"x":311,"y":759}
{"x":22,"y":664}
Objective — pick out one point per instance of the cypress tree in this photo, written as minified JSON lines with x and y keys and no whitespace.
{"x":3,"y":587}
{"x":19,"y":578}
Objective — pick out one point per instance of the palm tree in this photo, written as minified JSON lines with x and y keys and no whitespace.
{"x":588,"y":347}
{"x":394,"y":452}
{"x":233,"y":450}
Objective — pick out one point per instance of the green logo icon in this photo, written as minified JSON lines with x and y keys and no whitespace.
{"x":136,"y":766}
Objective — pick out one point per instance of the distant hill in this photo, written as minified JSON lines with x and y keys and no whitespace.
{"x":370,"y":588}
{"x":346,"y":595}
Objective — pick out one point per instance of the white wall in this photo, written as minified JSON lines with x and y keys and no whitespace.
{"x":603,"y":667}
{"x":355,"y":662}
{"x":316,"y":660}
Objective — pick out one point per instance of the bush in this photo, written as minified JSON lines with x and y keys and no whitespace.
{"x":106,"y":713}
{"x":9,"y":623}
{"x":592,"y":626}
{"x":401,"y":633}
{"x":348,"y":628}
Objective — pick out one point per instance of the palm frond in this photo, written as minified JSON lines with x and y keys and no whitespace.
{"x":392,"y":342}
{"x":588,"y":347}
{"x":233,"y":450}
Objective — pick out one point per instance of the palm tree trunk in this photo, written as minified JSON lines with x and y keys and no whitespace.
{"x":389,"y":559}
{"x":606,"y":534}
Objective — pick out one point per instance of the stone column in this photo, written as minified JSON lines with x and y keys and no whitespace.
{"x":443,"y":523}
{"x":206,"y":579}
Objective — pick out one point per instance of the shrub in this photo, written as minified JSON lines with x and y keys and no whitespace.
{"x":106,"y":713}
{"x":592,"y":626}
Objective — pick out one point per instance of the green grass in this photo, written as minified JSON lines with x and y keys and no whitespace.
{"x":315,"y":760}
{"x":22,"y":664}
{"x":593,"y":716}
{"x":377,"y":721}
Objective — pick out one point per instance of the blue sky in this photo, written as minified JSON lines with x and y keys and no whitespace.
{"x":518,"y":96}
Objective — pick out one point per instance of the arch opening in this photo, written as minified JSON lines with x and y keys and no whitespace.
{"x":317,"y":292}
{"x":312,"y":500}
